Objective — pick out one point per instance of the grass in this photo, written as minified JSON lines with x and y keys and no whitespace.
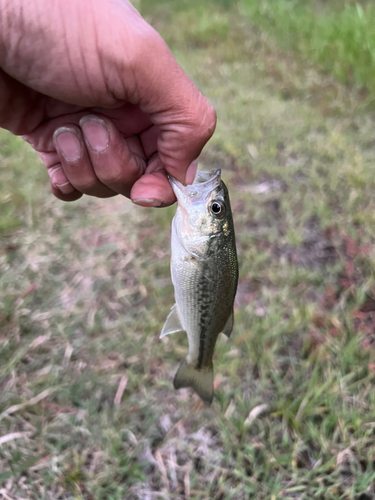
{"x":338,"y":36}
{"x":87,"y":407}
{"x":16,"y":197}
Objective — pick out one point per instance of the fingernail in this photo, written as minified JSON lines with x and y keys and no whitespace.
{"x":147,"y":202}
{"x":68,"y":143}
{"x":59,"y":180}
{"x":191,"y":172}
{"x":95,"y":132}
{"x":66,"y":188}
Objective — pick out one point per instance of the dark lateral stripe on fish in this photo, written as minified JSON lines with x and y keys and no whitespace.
{"x":207,"y":339}
{"x":205,"y":305}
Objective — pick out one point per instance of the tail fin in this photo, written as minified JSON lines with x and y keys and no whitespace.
{"x":202,"y":381}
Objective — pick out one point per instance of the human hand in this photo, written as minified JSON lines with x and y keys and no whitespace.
{"x":97,"y":93}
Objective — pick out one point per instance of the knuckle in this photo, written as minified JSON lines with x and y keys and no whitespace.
{"x":86,"y":186}
{"x":110,"y":176}
{"x":209,"y":122}
{"x":204,"y":122}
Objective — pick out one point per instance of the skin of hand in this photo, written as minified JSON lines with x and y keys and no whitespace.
{"x":97,"y":93}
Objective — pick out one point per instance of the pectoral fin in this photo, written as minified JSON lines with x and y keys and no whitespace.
{"x":172,"y":324}
{"x":229,"y":325}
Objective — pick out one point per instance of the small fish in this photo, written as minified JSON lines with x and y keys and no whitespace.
{"x":204,"y":274}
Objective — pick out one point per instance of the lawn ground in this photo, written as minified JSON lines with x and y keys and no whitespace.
{"x":87,"y":407}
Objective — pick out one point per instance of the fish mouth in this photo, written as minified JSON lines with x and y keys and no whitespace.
{"x":204,"y":176}
{"x":205,"y":181}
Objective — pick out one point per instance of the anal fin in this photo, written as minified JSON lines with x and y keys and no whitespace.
{"x":172,"y":324}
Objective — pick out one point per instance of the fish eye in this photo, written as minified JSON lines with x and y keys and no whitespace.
{"x":217,"y":208}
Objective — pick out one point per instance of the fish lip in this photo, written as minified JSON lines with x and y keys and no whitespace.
{"x":205,"y":181}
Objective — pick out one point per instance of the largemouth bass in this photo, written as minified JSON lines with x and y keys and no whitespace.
{"x":204,"y":274}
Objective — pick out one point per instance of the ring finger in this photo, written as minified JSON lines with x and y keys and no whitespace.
{"x":76,"y":162}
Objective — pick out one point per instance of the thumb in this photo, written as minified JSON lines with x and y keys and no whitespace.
{"x":184,"y":117}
